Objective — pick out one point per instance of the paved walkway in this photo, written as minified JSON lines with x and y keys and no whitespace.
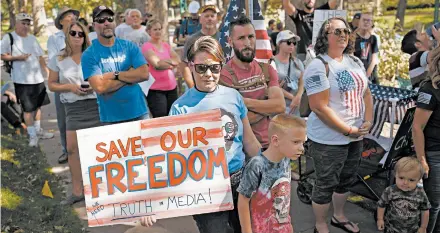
{"x":302,"y":215}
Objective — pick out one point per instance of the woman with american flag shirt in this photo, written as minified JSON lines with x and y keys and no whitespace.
{"x":342,"y":111}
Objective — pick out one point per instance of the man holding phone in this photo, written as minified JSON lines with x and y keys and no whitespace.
{"x":419,"y":45}
{"x":114,"y":67}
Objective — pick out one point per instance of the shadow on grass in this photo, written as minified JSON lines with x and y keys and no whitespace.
{"x":23,"y":207}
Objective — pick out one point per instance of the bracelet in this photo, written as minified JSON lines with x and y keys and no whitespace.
{"x":368,"y":122}
{"x":349,"y":132}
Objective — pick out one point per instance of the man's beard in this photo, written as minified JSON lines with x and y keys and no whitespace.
{"x":308,"y":7}
{"x":107,"y":36}
{"x":241,"y":57}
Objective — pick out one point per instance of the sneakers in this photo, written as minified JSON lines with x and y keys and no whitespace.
{"x":63,"y":158}
{"x":72,"y":199}
{"x":33,"y":141}
{"x":44,"y":135}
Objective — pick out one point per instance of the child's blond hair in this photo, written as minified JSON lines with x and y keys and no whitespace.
{"x":406,"y":164}
{"x":281,"y":123}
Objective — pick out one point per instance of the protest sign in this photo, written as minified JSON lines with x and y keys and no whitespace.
{"x":169,"y":167}
{"x":322,"y":15}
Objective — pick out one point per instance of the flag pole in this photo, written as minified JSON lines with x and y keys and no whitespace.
{"x":246,"y":2}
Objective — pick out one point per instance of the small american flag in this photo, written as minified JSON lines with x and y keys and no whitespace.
{"x":236,"y":9}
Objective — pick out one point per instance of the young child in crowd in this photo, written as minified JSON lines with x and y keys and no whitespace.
{"x":264,"y":191}
{"x":406,"y":204}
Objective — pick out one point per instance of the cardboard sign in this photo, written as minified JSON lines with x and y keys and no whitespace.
{"x":169,"y":167}
{"x":322,"y":15}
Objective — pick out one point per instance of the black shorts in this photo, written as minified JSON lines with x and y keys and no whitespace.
{"x":31,"y":96}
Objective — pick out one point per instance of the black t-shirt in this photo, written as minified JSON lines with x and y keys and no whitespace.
{"x":429,"y":99}
{"x":364,"y":49}
{"x":304,"y":27}
{"x":273,"y":37}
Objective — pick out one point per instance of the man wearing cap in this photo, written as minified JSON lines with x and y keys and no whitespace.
{"x":55,"y":44}
{"x":191,"y":24}
{"x":136,"y":32}
{"x":208,"y":22}
{"x":125,"y":24}
{"x":354,"y":24}
{"x":114,"y":67}
{"x":303,"y":20}
{"x":256,"y":82}
{"x":28,"y":63}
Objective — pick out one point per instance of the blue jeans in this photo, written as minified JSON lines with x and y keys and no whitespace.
{"x":432,"y":189}
{"x":61,"y":121}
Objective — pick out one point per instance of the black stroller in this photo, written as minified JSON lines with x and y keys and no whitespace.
{"x":373,"y":177}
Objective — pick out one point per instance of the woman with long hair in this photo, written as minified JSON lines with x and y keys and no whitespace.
{"x":162,"y":60}
{"x":342,"y":111}
{"x":426,"y":125}
{"x":81,"y":108}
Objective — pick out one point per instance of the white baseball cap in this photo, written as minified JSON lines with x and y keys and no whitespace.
{"x":194,"y":7}
{"x":287,"y":35}
{"x":23,"y":16}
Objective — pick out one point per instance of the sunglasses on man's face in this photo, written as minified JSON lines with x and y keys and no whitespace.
{"x":74,"y":33}
{"x":290,"y":42}
{"x":202,"y":68}
{"x":102,"y":20}
{"x":338,"y":31}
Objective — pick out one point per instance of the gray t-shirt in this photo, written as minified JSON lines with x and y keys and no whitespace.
{"x":137,"y":36}
{"x":403,"y":209}
{"x":190,"y":42}
{"x":347,"y":83}
{"x":289,"y":83}
{"x":267,"y":184}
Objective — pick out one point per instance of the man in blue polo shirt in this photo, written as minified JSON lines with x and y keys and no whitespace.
{"x":113,"y":67}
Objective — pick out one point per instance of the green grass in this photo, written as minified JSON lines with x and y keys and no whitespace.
{"x":23,"y":208}
{"x":388,"y":3}
{"x":413,"y":16}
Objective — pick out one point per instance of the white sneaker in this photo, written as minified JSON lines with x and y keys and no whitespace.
{"x":33,"y":141}
{"x":44,"y":135}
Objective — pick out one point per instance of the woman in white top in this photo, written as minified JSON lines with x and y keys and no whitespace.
{"x":290,"y":70}
{"x":342,"y":111}
{"x":78,"y":98}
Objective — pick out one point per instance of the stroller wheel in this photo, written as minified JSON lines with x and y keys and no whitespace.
{"x":304,"y":192}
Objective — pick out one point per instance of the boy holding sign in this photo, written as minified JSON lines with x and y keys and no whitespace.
{"x":264,"y":191}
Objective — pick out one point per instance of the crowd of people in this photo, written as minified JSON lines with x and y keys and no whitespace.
{"x":95,"y":74}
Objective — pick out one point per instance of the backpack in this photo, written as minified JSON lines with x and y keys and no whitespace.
{"x":8,"y":64}
{"x":304,"y":107}
{"x":264,"y":79}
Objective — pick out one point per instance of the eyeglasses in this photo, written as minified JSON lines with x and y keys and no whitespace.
{"x":338,"y":31}
{"x":290,"y":42}
{"x":202,"y":68}
{"x":73,"y":33}
{"x":102,"y":20}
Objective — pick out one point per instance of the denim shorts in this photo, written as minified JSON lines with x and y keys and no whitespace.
{"x":335,"y":168}
{"x":225,"y":221}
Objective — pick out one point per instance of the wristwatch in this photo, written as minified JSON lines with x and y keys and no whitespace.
{"x":349,"y":132}
{"x":116,"y":75}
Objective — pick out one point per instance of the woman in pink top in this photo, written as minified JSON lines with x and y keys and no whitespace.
{"x":162,"y":60}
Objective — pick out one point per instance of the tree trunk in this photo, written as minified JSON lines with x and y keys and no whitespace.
{"x":400,"y":14}
{"x":141,"y":5}
{"x":11,"y":9}
{"x":22,"y":5}
{"x":39,"y":16}
{"x":226,"y":5}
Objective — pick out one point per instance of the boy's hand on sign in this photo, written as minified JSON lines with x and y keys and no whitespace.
{"x":148,"y":221}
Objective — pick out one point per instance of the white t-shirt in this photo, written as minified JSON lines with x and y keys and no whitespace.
{"x":69,"y":72}
{"x":347,"y":82}
{"x":29,"y":71}
{"x":92,"y":36}
{"x":137,"y":36}
{"x":119,"y":28}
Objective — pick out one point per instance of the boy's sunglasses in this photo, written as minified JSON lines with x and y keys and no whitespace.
{"x":202,"y":68}
{"x":73,"y":33}
{"x":290,"y":42}
{"x":102,"y":20}
{"x":338,"y":31}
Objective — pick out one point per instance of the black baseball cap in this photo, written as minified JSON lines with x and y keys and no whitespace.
{"x":99,"y":9}
{"x":357,"y":16}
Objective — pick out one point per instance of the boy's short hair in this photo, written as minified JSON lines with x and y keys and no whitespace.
{"x":408,"y":42}
{"x":283,"y":122}
{"x":406,"y":164}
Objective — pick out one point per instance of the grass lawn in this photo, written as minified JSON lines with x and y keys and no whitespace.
{"x":413,"y":16}
{"x":23,"y":208}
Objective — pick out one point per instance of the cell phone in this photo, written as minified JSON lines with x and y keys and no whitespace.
{"x":429,"y":29}
{"x":85,"y":85}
